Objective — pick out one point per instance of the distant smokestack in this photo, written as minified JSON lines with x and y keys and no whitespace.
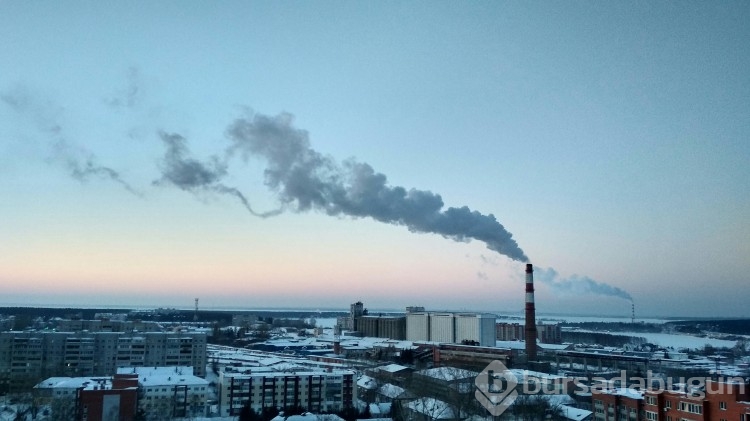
{"x":632,"y":312}
{"x":530,"y":330}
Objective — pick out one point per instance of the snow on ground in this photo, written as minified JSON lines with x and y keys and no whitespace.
{"x":675,"y":341}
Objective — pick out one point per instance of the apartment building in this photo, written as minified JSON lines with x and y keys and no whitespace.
{"x":106,"y":325}
{"x":90,"y":398}
{"x":324,"y":391}
{"x":620,"y":404}
{"x":28,"y":357}
{"x":170,"y":391}
{"x":724,"y":400}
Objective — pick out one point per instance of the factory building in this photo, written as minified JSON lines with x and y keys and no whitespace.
{"x":467,"y":328}
{"x":392,"y":327}
{"x":546,"y":333}
{"x":418,"y":327}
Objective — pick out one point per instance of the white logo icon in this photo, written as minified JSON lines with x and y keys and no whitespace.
{"x":496,"y":388}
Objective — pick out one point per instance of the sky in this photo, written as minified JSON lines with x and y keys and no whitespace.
{"x":312,"y":154}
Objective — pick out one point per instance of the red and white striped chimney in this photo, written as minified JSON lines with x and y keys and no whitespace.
{"x":530,"y":329}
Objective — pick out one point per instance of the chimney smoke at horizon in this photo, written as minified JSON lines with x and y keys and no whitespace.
{"x":576,"y":284}
{"x":304,"y":179}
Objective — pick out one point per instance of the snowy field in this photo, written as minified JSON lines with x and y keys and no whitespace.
{"x":680,"y":341}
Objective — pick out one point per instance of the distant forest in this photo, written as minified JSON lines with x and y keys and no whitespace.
{"x":693,"y":327}
{"x":25,"y":314}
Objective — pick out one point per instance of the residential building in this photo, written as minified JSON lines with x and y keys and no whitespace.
{"x":105,"y":324}
{"x":725,"y":400}
{"x":170,"y":391}
{"x":317,"y":391}
{"x":621,"y":404}
{"x":28,"y":357}
{"x":90,"y":398}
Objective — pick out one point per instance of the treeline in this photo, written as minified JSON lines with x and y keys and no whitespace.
{"x":617,"y":326}
{"x":63,"y":313}
{"x":600,"y":338}
{"x":730,"y":326}
{"x":24,"y":315}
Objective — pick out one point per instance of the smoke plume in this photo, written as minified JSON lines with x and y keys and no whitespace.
{"x":578,"y":284}
{"x":81,"y":164}
{"x":130,"y":95}
{"x":304,"y":179}
{"x":194,"y":176}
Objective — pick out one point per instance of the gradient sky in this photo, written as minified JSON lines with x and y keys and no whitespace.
{"x":612,"y":139}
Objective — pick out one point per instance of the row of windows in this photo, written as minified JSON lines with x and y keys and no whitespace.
{"x":164,"y":389}
{"x":693,"y":408}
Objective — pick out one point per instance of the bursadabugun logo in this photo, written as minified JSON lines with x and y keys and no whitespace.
{"x":496,"y":388}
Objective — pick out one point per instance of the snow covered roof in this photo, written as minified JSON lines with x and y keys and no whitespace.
{"x":328,"y":417}
{"x":390,"y":390}
{"x":367,"y":382}
{"x":626,"y":392}
{"x":524,"y":374}
{"x":282,"y":374}
{"x":378,"y":409}
{"x":307,"y":416}
{"x":154,"y":371}
{"x":392,"y":368}
{"x":574,"y":414}
{"x":171,"y":380}
{"x":448,"y":373}
{"x":164,"y":376}
{"x":270,"y":361}
{"x":516,"y":345}
{"x":75,"y":383}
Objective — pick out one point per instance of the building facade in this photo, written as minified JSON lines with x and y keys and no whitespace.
{"x":328,"y":391}
{"x":468,"y":328}
{"x":393,"y":327}
{"x":715,"y":401}
{"x":170,"y":392}
{"x":28,"y":357}
{"x":89,"y":398}
{"x":547,"y":333}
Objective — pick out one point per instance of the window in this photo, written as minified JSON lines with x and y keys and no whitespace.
{"x":693,"y":408}
{"x":668,"y":404}
{"x":723,"y":406}
{"x":651,"y":400}
{"x":651,"y":416}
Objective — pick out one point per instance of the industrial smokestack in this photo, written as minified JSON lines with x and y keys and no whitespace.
{"x":530,"y":330}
